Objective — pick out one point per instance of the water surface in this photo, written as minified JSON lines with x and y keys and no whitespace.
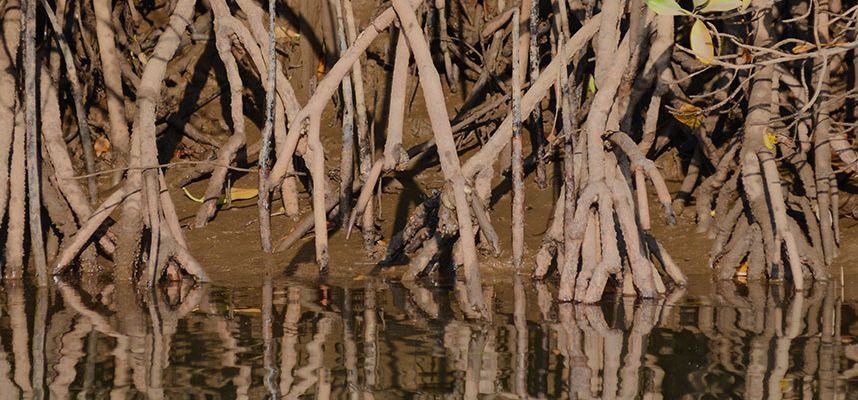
{"x":379,"y":339}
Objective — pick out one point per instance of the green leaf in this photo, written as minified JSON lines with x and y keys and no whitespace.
{"x":666,"y":7}
{"x":701,"y":43}
{"x":591,"y":84}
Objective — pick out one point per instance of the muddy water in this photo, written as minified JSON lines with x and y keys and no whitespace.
{"x":385,"y":339}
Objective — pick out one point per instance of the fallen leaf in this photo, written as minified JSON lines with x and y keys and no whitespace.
{"x":101,"y":146}
{"x":807,"y":46}
{"x":234,"y":194}
{"x":689,"y":115}
{"x":666,"y":7}
{"x":770,"y":140}
{"x":360,"y":277}
{"x":249,"y":310}
{"x":803,"y":48}
{"x":242,"y":194}
{"x":701,"y":43}
{"x":192,"y":197}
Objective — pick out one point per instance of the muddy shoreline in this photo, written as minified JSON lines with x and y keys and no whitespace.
{"x":228,"y":247}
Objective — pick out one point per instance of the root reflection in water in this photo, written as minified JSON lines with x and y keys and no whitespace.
{"x":383,"y":339}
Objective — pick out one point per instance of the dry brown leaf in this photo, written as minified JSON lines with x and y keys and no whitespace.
{"x":688,"y":114}
{"x":101,"y":146}
{"x":803,"y":48}
{"x":747,"y":57}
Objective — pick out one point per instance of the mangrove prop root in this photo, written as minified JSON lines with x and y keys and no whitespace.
{"x":766,"y":136}
{"x":517,"y":163}
{"x":446,"y":146}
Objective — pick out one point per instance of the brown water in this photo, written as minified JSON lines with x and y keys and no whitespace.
{"x":382,"y":339}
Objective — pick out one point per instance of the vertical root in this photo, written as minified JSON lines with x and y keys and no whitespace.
{"x":517,"y":163}
{"x":15,"y":233}
{"x":446,"y":147}
{"x":105,"y":33}
{"x":362,"y":126}
{"x":227,"y":153}
{"x":316,"y":157}
{"x":347,"y":153}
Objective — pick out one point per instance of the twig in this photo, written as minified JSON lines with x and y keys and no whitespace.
{"x":214,"y":164}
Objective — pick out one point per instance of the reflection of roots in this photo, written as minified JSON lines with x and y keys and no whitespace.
{"x":773,"y":326}
{"x":601,"y":358}
{"x":134,"y":327}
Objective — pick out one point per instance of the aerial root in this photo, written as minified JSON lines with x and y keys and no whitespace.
{"x":172,"y":247}
{"x":595,"y":257}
